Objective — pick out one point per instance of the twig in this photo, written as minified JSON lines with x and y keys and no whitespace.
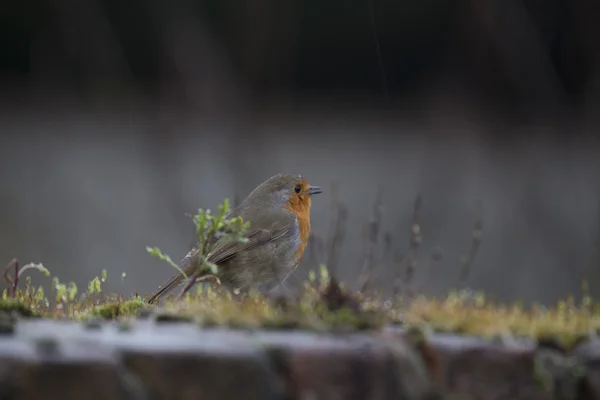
{"x":415,"y":243}
{"x":13,"y":283}
{"x":387,"y":247}
{"x":477,"y":238}
{"x":373,"y":229}
{"x":198,"y":280}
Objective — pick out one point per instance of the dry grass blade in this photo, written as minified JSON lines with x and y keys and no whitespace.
{"x":477,"y":238}
{"x":372,"y":236}
{"x":195,"y":281}
{"x":191,"y":279}
{"x":14,"y":283}
{"x":404,"y":282}
{"x":415,"y":240}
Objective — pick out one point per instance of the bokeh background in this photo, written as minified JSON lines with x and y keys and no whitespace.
{"x":117,"y":118}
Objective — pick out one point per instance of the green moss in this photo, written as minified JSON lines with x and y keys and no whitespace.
{"x":18,"y":307}
{"x":116,"y":308}
{"x":319,"y":308}
{"x":280,"y":323}
{"x":566,"y":324}
{"x":347,"y":319}
{"x":131,"y":307}
{"x":322,"y":305}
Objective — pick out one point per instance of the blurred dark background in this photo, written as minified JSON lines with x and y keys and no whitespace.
{"x":117,"y":118}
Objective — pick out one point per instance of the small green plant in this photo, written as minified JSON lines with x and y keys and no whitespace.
{"x":118,"y":307}
{"x":209,"y":229}
{"x":62,"y":301}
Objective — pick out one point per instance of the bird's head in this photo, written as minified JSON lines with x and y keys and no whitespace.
{"x":291,"y":191}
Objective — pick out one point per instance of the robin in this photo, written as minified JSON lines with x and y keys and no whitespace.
{"x":279,"y":214}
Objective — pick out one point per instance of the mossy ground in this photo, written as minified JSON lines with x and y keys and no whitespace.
{"x":324,"y":305}
{"x":564,"y":324}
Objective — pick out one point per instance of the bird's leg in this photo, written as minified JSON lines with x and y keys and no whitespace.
{"x":191,"y":282}
{"x":196,"y":280}
{"x":207,"y":277}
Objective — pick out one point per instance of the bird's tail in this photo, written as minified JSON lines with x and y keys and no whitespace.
{"x":171,"y":283}
{"x":188,"y":263}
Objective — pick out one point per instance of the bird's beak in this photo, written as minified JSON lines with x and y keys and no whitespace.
{"x":314,"y":190}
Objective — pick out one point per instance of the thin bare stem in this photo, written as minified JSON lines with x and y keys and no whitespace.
{"x":373,"y":229}
{"x":14,"y":283}
{"x":198,"y":280}
{"x":414,"y":244}
{"x":477,"y":238}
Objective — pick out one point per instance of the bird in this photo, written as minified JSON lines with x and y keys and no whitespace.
{"x":279,"y":214}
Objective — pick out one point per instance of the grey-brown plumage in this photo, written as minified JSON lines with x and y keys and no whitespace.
{"x":279,"y":215}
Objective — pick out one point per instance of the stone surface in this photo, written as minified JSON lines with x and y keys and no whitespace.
{"x":471,"y":368}
{"x":345,"y":367}
{"x":177,"y":360}
{"x":53,"y":368}
{"x":589,"y":356}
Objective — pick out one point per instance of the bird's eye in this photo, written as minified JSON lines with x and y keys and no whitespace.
{"x":298,"y":189}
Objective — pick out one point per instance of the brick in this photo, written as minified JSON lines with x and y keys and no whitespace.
{"x":57,"y":370}
{"x":200,"y":366}
{"x":345,"y":367}
{"x":66,"y":380}
{"x":590,"y":387}
{"x":51,"y":359}
{"x":494,"y":373}
{"x":465,"y":367}
{"x":588,"y":354}
{"x":430,"y":356}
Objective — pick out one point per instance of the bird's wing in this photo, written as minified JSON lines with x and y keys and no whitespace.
{"x":272,"y":227}
{"x":221,"y":252}
{"x":224,"y":251}
{"x":279,"y":225}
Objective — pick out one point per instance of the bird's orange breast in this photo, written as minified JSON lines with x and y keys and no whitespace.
{"x":302,"y":210}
